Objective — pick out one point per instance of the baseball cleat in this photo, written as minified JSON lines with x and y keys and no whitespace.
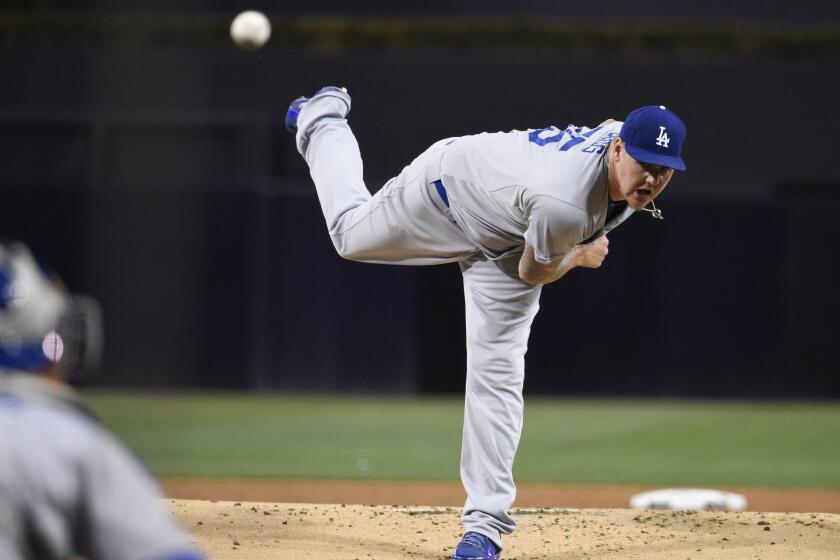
{"x":296,"y":105}
{"x":475,"y":546}
{"x":293,"y":112}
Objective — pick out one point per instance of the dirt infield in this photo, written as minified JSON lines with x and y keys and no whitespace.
{"x":261,"y":531}
{"x":451,"y":494}
{"x":262,"y":519}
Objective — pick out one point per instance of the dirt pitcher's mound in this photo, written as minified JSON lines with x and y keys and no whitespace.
{"x":256,"y":531}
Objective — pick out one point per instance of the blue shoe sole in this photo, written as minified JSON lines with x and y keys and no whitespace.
{"x":293,"y":112}
{"x":295,"y":106}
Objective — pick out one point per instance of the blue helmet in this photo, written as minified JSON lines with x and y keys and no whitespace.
{"x":42,"y":326}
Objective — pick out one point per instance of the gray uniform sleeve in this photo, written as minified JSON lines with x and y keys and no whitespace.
{"x":125,"y":516}
{"x":554,"y":227}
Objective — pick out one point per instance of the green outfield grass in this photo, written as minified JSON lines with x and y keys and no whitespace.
{"x":644,"y":442}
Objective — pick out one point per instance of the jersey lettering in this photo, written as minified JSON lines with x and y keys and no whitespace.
{"x":599,"y":145}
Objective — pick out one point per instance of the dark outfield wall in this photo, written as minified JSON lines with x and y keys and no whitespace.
{"x":180,"y":119}
{"x":782,"y":11}
{"x":723,"y":298}
{"x":162,"y":183}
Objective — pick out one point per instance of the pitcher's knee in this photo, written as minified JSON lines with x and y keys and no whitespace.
{"x":350,"y":255}
{"x":345,"y":250}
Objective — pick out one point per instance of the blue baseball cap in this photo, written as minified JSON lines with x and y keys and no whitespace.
{"x":655,"y":135}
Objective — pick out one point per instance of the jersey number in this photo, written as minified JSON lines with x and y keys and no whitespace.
{"x":572,"y":136}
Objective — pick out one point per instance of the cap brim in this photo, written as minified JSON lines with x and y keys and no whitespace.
{"x":654,"y":158}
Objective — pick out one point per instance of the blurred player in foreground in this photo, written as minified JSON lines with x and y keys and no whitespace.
{"x":516,"y":210}
{"x":68,"y":489}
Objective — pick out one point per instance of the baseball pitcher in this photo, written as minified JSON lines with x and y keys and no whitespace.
{"x":516,"y":210}
{"x":68,"y":488}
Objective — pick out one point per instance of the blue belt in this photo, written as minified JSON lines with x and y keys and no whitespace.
{"x":442,"y":192}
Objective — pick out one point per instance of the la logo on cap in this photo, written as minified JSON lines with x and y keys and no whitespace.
{"x":662,"y":139}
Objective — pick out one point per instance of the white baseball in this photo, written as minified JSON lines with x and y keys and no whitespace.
{"x":250,"y":29}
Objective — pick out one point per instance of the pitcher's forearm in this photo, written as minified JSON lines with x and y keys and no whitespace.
{"x":534,"y":273}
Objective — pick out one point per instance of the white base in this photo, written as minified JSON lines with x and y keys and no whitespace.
{"x":689,"y":499}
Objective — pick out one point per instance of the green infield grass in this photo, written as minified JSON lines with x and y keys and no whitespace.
{"x":570,"y":441}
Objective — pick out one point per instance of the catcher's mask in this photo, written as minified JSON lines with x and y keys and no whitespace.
{"x":42,"y":327}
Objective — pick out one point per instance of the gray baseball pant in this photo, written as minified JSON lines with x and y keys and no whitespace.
{"x":406,"y":222}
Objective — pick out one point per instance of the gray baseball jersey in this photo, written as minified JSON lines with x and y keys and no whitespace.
{"x":476,"y":200}
{"x":547,"y":188}
{"x":69,"y":489}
